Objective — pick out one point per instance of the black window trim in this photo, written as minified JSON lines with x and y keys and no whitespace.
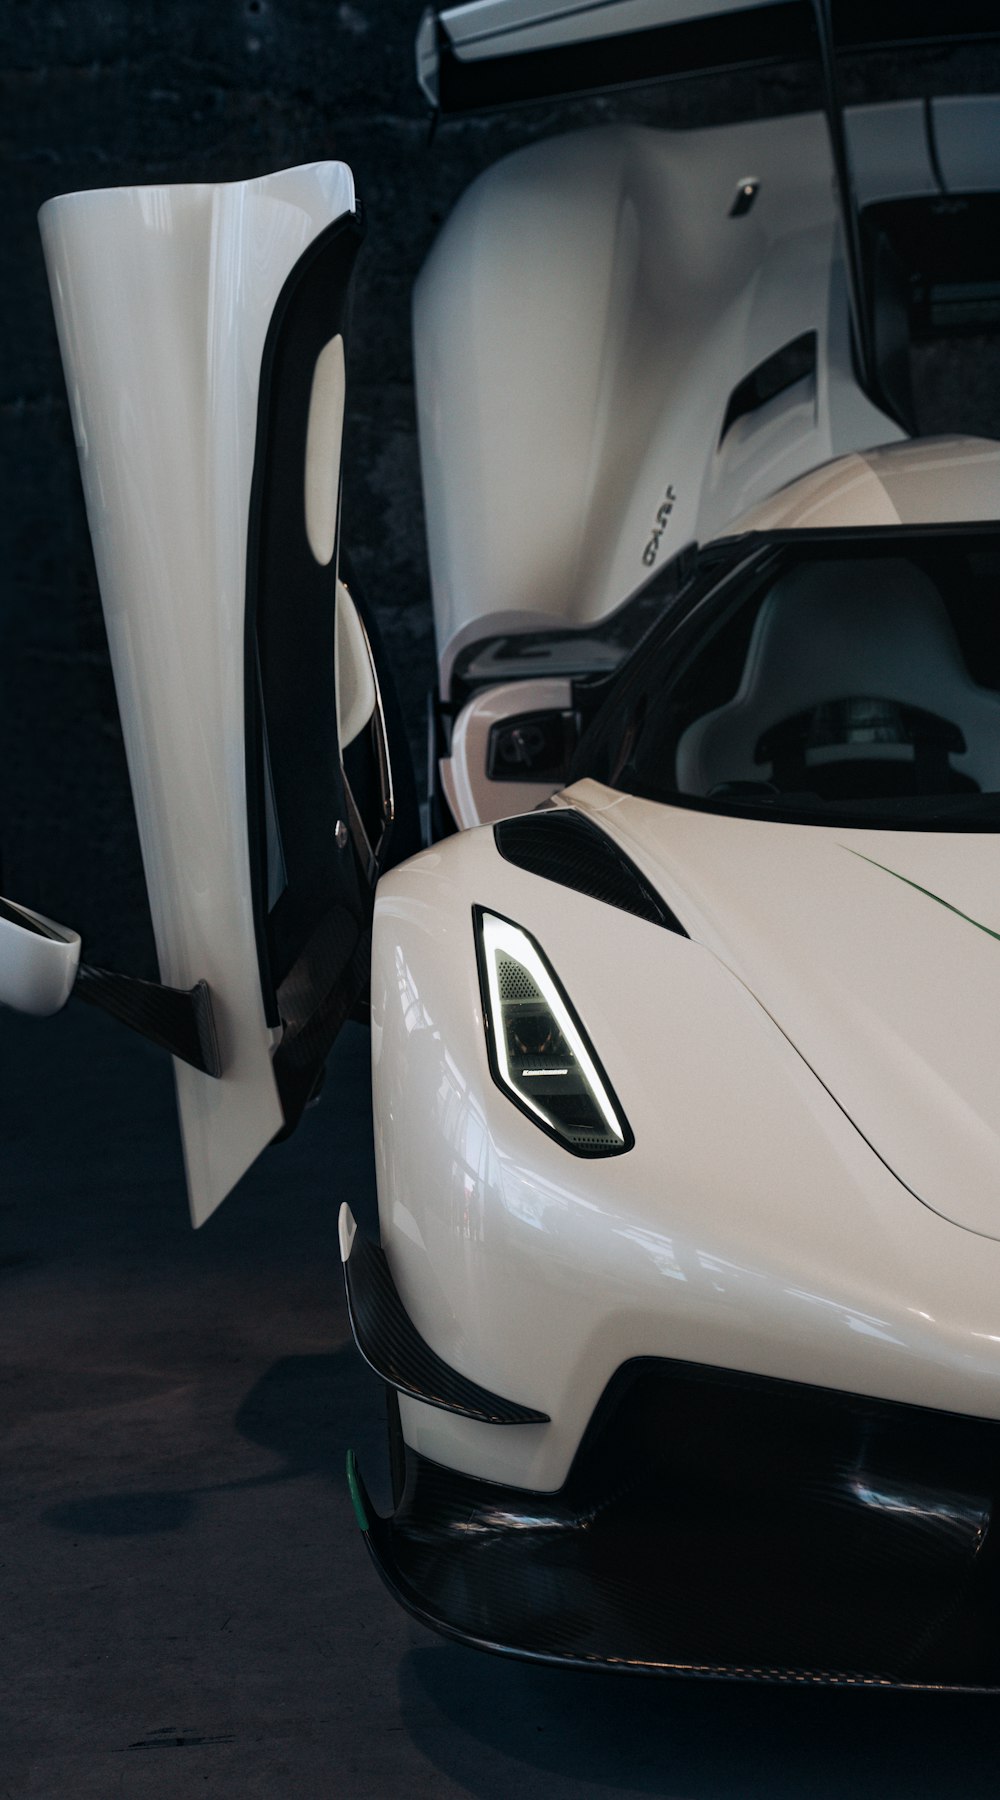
{"x":735,"y":563}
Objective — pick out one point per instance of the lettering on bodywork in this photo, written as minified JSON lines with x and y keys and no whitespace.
{"x":663,"y":513}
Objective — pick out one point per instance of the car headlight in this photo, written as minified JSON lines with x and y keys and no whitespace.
{"x":538,"y":1050}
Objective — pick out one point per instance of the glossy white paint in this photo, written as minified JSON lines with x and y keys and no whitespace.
{"x":163,"y":296}
{"x":926,"y":481}
{"x":812,"y":1189}
{"x":346,"y":1229}
{"x":877,"y":953}
{"x":591,"y":297}
{"x":751,"y":1226}
{"x":38,"y":961}
{"x":472,"y":797}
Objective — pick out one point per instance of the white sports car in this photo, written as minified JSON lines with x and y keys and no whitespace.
{"x":685,"y":1043}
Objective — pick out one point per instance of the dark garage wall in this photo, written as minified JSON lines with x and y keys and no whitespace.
{"x":128,"y":91}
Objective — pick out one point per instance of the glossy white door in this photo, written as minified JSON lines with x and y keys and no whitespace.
{"x":164,"y":297}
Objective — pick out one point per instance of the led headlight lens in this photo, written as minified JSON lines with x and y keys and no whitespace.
{"x":538,"y":1051}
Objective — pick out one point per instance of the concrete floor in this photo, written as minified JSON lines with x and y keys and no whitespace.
{"x":188,"y":1607}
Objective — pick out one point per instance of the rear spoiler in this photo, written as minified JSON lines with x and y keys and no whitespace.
{"x":496,"y":53}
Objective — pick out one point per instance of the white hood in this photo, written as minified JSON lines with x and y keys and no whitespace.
{"x":877,"y":953}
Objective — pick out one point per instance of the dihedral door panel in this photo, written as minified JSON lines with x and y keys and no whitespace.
{"x":595,"y":297}
{"x":181,"y":313}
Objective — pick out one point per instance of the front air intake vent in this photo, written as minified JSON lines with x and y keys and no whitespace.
{"x":561,"y":846}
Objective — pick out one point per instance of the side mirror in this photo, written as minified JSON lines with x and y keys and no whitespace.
{"x":38,"y":961}
{"x":40,"y":968}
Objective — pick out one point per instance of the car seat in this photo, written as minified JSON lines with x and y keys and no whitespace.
{"x":848,"y":661}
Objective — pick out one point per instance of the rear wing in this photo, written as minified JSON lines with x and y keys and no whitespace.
{"x":495,"y":53}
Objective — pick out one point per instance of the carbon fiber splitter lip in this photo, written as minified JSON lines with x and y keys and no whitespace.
{"x":722,"y":1526}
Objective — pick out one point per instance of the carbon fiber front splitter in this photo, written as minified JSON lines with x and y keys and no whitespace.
{"x":722,"y":1526}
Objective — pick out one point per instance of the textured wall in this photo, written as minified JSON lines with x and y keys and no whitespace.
{"x":123,"y":91}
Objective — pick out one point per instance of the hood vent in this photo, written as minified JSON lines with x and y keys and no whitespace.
{"x":561,"y":846}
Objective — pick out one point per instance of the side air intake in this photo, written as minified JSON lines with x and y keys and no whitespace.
{"x":792,"y":363}
{"x":561,"y":846}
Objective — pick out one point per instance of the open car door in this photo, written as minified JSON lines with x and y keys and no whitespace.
{"x":202,"y":331}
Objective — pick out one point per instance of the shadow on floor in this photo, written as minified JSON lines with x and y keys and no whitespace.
{"x":495,"y":1727}
{"x":307,"y":1410}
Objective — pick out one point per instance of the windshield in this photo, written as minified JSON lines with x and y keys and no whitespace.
{"x":853,"y":681}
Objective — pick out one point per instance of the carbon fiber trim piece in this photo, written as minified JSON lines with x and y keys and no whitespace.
{"x":561,"y":846}
{"x":721,"y":1525}
{"x":293,"y":765}
{"x":179,"y":1020}
{"x":391,"y":1344}
{"x":314,"y":1000}
{"x":378,"y":1548}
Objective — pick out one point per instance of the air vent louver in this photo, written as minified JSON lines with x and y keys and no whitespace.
{"x":561,"y":846}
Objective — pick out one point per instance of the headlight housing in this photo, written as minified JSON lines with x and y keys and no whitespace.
{"x":539,"y":1052}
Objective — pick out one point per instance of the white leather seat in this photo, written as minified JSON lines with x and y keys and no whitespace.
{"x":831,"y":631}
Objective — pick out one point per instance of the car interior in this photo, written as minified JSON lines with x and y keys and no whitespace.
{"x":854,"y":685}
